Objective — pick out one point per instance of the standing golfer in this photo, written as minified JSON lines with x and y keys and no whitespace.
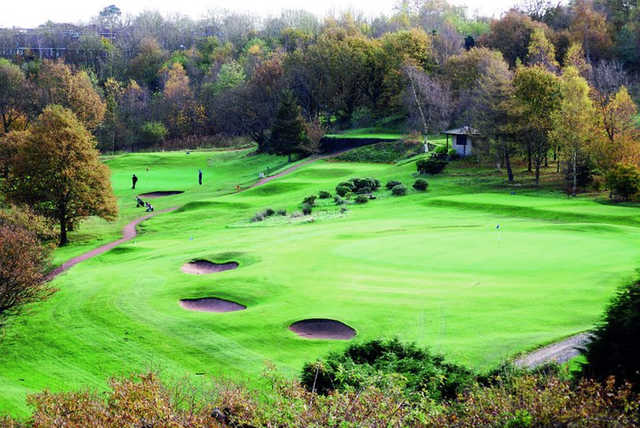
{"x":134,"y":180}
{"x":200,"y":176}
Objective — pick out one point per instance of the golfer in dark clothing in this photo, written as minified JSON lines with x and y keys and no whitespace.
{"x":200,"y":176}
{"x":139,"y":202}
{"x":134,"y":180}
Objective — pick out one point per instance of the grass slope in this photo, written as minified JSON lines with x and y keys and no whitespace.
{"x":428,"y":267}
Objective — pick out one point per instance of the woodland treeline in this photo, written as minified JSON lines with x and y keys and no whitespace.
{"x":165,"y":78}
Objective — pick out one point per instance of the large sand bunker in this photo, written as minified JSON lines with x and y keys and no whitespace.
{"x":203,"y":267}
{"x":211,"y":304}
{"x":320,"y":328}
{"x":160,"y":194}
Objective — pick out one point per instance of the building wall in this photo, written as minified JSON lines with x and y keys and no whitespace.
{"x":460,"y":149}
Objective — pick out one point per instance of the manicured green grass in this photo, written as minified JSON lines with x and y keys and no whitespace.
{"x":380,"y":133}
{"x":428,"y":267}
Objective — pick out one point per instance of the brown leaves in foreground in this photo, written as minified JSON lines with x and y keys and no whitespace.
{"x":520,"y":401}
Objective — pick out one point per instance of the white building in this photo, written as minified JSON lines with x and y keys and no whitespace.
{"x":462,"y":139}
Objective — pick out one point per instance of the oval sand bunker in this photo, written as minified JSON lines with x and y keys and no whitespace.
{"x":320,"y":328}
{"x":160,"y":194}
{"x":203,"y":267}
{"x":211,"y":304}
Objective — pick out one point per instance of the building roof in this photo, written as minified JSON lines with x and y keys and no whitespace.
{"x":465,"y":130}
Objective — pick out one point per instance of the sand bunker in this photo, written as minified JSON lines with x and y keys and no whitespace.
{"x":160,"y":194}
{"x":211,"y":304}
{"x":319,"y":328}
{"x":203,"y":267}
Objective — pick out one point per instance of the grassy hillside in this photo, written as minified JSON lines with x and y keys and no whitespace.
{"x":428,"y":267}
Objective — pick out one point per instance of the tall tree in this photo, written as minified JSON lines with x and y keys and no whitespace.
{"x":12,"y":94}
{"x":573,"y":121}
{"x":541,"y":51}
{"x":288,"y":131}
{"x":58,"y":84}
{"x":56,"y":170}
{"x":494,"y":110}
{"x":538,"y":94}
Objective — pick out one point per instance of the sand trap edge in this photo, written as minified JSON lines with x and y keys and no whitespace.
{"x":211,"y":304}
{"x":323,"y":328}
{"x":160,"y":194}
{"x":205,"y":267}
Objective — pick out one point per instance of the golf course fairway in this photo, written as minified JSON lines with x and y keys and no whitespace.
{"x":472,"y":269}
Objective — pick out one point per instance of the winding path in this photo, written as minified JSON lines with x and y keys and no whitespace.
{"x":558,"y":352}
{"x":128,"y":233}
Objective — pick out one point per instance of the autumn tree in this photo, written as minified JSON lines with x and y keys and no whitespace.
{"x":494,"y":110}
{"x":589,"y":28}
{"x":146,"y":65}
{"x":538,"y":94}
{"x":57,"y":84}
{"x":23,"y":261}
{"x":288,"y":131}
{"x":57,"y":172}
{"x":12,"y":95}
{"x":428,"y":99}
{"x":541,"y":51}
{"x":573,"y":121}
{"x":575,"y":57}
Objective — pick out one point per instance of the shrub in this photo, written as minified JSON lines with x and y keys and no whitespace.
{"x":354,"y":367}
{"x":152,"y":133}
{"x":431,"y":165}
{"x":364,"y":185}
{"x":584,"y":173}
{"x":307,"y":208}
{"x":453,"y":154}
{"x":391,"y":184}
{"x":269,"y":212}
{"x":615,"y":349}
{"x":342,"y":190}
{"x":338,"y":200}
{"x":257,"y":217}
{"x":421,"y":184}
{"x":282,"y":212}
{"x":324,"y":195}
{"x":311,"y":200}
{"x":624,"y":181}
{"x":399,"y":190}
{"x":362,"y":199}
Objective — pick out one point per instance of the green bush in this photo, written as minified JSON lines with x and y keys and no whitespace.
{"x":615,"y":348}
{"x":399,"y":190}
{"x":453,"y":154}
{"x":421,"y":184}
{"x":324,"y":194}
{"x":282,"y":212}
{"x":391,"y":184}
{"x":338,"y":200}
{"x":152,"y":133}
{"x":378,"y":359}
{"x":342,"y":190}
{"x":311,"y":200}
{"x":431,"y":165}
{"x":269,"y":212}
{"x":362,"y":199}
{"x":624,"y":181}
{"x":307,"y":208}
{"x":364,"y":185}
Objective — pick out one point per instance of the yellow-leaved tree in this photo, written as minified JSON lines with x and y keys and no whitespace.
{"x":574,"y":120}
{"x":55,"y":169}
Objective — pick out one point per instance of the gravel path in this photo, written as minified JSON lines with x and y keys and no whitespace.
{"x":128,"y":232}
{"x":559,"y":352}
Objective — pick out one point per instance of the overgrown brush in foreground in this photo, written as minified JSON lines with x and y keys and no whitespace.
{"x":526,"y":400}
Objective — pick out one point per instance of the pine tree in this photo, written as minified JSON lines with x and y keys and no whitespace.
{"x":287,"y":133}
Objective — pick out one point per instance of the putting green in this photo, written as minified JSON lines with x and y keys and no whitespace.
{"x":429,"y":267}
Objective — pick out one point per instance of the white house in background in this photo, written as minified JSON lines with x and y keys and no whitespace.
{"x":462,"y":139}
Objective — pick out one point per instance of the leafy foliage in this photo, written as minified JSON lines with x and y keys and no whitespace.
{"x":422,"y":371}
{"x":421,"y":184}
{"x":399,"y":190}
{"x":624,"y":181}
{"x":431,"y":165}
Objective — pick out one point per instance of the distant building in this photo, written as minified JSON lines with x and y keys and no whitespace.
{"x":462,"y":139}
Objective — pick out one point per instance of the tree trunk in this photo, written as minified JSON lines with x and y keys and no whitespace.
{"x":538,"y":162}
{"x":575,"y":172}
{"x":63,"y":232}
{"x":529,"y":157}
{"x":507,"y":163}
